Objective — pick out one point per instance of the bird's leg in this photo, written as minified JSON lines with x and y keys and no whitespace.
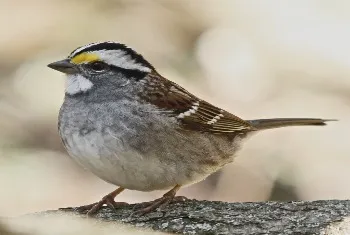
{"x":108,"y":200}
{"x":161,"y":202}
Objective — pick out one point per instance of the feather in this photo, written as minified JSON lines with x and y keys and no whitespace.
{"x":192,"y":112}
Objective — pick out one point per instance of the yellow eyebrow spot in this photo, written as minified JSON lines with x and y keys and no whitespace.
{"x":84,"y":58}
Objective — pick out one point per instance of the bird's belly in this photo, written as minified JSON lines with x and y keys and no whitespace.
{"x":128,"y":168}
{"x":116,"y":162}
{"x":122,"y":168}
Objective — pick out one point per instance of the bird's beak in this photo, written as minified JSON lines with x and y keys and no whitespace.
{"x":64,"y":66}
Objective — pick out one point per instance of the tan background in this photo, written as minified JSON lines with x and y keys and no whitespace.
{"x":257,"y":59}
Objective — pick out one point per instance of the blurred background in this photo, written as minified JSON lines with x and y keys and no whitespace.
{"x":256,"y":59}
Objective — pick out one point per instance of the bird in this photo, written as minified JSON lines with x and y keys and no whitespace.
{"x":133,"y":128}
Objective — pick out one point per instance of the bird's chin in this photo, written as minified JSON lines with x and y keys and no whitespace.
{"x":76,"y":83}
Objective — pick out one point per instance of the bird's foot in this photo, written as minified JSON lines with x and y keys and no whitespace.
{"x":93,"y":208}
{"x":161,"y":203}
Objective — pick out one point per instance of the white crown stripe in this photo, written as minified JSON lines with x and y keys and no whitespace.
{"x":79,"y":49}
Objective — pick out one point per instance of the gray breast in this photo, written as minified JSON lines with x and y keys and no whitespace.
{"x":138,"y":147}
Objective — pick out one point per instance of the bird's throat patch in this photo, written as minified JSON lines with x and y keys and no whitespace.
{"x":77,"y":84}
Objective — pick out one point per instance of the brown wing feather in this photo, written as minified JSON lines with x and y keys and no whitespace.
{"x":192,"y":112}
{"x":216,"y":120}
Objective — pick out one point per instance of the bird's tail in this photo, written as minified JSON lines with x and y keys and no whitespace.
{"x":261,"y":124}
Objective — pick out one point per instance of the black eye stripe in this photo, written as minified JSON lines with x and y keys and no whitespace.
{"x":130,"y":73}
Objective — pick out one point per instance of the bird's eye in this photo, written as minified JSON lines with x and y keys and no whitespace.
{"x":98,"y":66}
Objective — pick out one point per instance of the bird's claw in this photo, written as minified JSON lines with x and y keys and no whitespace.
{"x":161,"y":203}
{"x":93,"y":208}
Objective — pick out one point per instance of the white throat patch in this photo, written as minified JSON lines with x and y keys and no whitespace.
{"x":77,"y":83}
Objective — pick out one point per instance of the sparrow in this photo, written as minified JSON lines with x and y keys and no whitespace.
{"x":134,"y":128}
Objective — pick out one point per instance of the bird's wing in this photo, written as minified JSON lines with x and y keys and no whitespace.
{"x":192,"y":112}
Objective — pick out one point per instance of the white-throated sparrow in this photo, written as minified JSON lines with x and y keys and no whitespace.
{"x":135,"y":129}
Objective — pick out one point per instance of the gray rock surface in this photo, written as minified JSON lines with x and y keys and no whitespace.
{"x":206,"y":217}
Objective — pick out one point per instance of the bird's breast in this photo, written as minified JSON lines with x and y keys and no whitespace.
{"x":141,"y":151}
